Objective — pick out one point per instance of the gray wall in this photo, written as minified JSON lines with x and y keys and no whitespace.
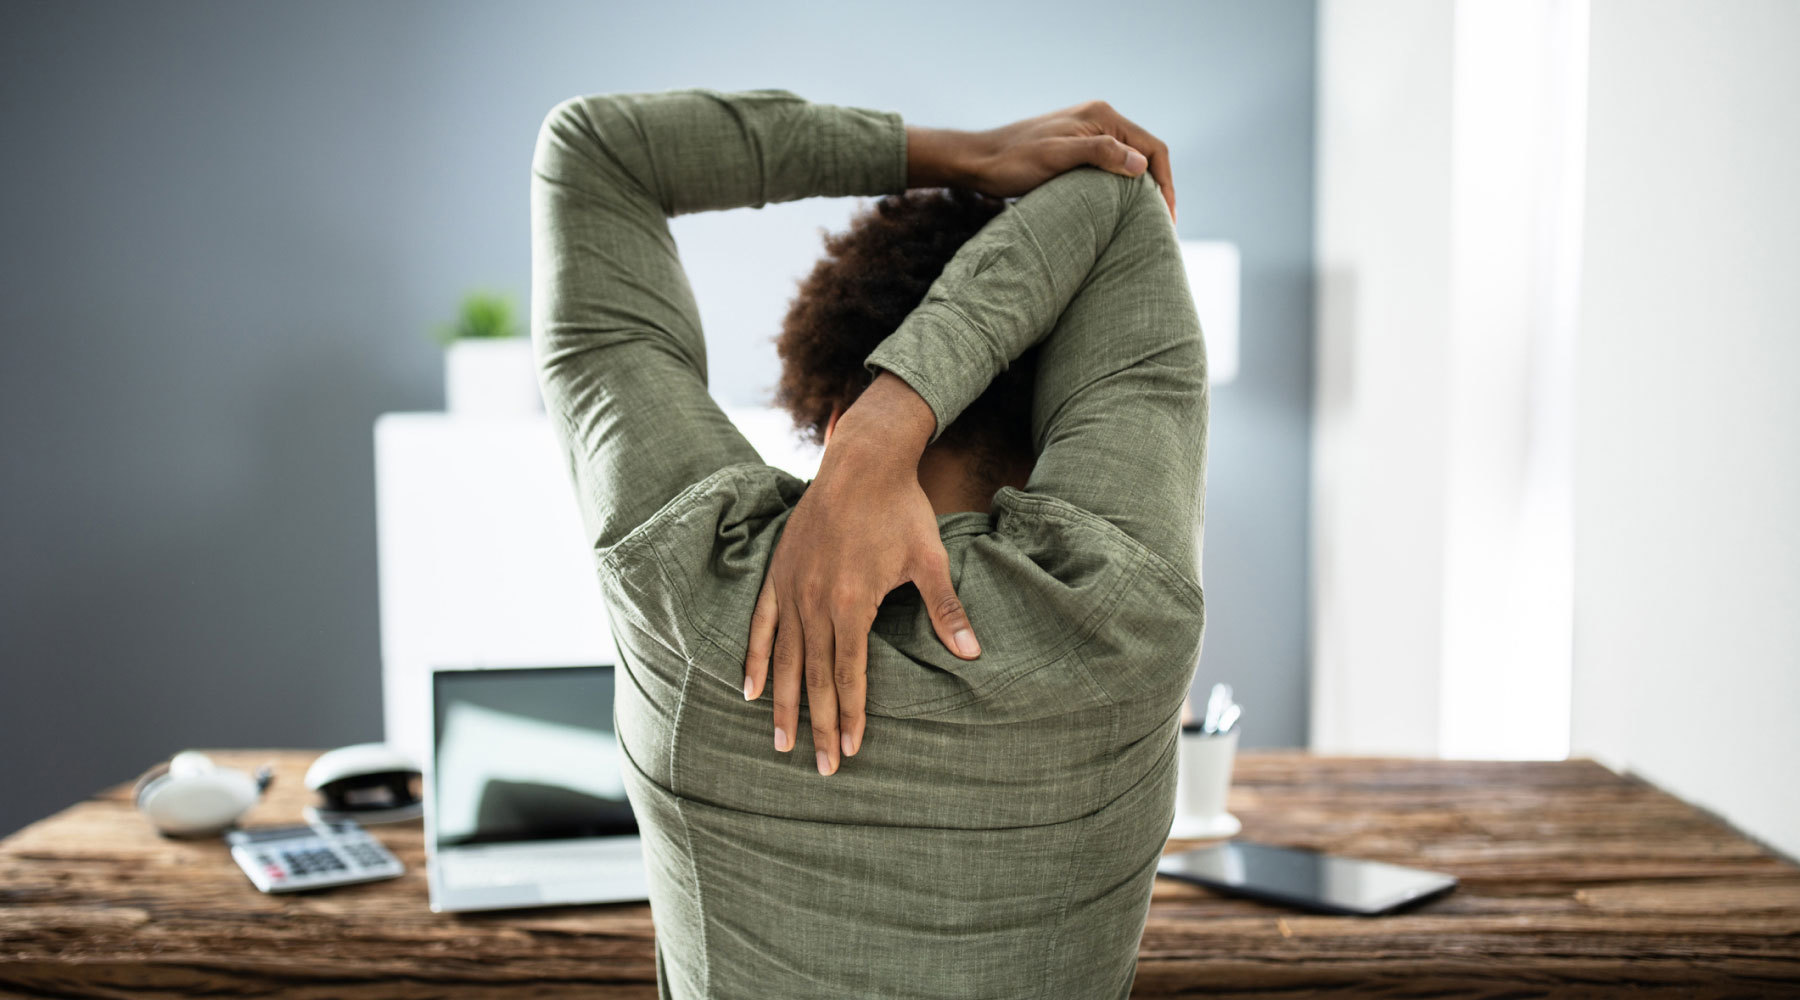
{"x":228,"y":228}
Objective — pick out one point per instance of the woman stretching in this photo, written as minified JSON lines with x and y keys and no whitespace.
{"x":989,"y":596}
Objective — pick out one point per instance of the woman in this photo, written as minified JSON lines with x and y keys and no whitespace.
{"x":972,"y":799}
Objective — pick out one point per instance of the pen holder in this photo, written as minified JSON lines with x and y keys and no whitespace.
{"x":1203,"y":779}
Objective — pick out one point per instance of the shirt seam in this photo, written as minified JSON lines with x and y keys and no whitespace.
{"x":1076,"y":843}
{"x":693,"y":867}
{"x":676,"y":784}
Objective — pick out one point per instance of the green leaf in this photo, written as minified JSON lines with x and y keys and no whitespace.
{"x":483,"y":316}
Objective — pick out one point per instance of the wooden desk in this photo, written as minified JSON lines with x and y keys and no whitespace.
{"x":1574,"y":880}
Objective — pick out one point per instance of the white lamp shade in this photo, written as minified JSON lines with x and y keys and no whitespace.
{"x":1213,"y":274}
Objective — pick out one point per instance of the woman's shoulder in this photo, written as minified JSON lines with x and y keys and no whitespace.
{"x":1064,"y":603}
{"x":1053,"y":527}
{"x":690,"y":572}
{"x":1043,"y":580}
{"x":714,"y":508}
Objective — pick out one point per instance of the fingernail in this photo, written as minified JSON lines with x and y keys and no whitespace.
{"x":749,"y":685}
{"x":1134,"y":161}
{"x":844,"y":741}
{"x":781,"y":740}
{"x":965,"y":642}
{"x":824,"y":762}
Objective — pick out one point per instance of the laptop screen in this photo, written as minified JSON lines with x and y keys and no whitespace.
{"x":523,"y":755}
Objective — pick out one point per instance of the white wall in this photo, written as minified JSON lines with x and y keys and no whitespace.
{"x":1518,"y":96}
{"x":1448,"y":169}
{"x":1383,"y":199}
{"x":1557,"y":453}
{"x":1687,"y":482}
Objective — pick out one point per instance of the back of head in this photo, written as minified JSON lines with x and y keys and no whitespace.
{"x":872,"y":275}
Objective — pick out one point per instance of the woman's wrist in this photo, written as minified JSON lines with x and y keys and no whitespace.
{"x":888,"y":425}
{"x":938,"y":157}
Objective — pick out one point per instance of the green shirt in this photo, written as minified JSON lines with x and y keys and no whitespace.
{"x":998,"y":832}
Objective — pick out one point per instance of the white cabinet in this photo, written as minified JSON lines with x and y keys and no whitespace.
{"x":482,"y":561}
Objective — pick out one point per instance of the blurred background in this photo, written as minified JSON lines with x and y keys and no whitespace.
{"x":1507,"y":466}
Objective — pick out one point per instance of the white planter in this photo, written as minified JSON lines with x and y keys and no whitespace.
{"x":491,"y":378}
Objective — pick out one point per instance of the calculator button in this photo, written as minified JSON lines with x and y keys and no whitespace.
{"x":285,"y":863}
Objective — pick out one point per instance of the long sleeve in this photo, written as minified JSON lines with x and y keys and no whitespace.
{"x":1087,"y":266}
{"x":621,"y":357}
{"x":1045,"y":763}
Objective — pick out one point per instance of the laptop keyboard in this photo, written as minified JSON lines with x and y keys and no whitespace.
{"x":486,"y":870}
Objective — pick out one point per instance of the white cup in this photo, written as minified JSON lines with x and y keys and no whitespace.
{"x":1202,"y":782}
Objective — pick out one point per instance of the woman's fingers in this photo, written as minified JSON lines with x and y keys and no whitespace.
{"x":942,"y":604}
{"x":789,"y":657}
{"x":762,"y":642}
{"x":851,"y":638}
{"x":821,"y":692}
{"x":1132,"y":134}
{"x":1103,"y":151}
{"x":1014,"y":159}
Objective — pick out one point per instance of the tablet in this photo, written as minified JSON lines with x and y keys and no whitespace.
{"x":1323,"y":883}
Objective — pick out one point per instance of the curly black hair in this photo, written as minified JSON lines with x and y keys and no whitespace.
{"x":872,"y":275}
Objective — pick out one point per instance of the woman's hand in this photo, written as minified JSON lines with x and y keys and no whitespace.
{"x":863,"y":528}
{"x":1013,"y":159}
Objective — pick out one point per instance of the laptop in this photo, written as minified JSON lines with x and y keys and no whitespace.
{"x":525,"y":794}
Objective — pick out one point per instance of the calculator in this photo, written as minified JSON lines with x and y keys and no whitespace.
{"x":311,"y":856}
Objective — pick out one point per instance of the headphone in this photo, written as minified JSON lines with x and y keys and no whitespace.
{"x":190,"y":796}
{"x":366,"y":782}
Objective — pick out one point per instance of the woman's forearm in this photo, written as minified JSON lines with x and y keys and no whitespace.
{"x":1004,"y":290}
{"x":890,"y":423}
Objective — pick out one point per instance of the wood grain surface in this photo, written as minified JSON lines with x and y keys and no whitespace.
{"x":1575,"y":881}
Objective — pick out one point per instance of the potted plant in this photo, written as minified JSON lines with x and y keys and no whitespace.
{"x":489,"y":368}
